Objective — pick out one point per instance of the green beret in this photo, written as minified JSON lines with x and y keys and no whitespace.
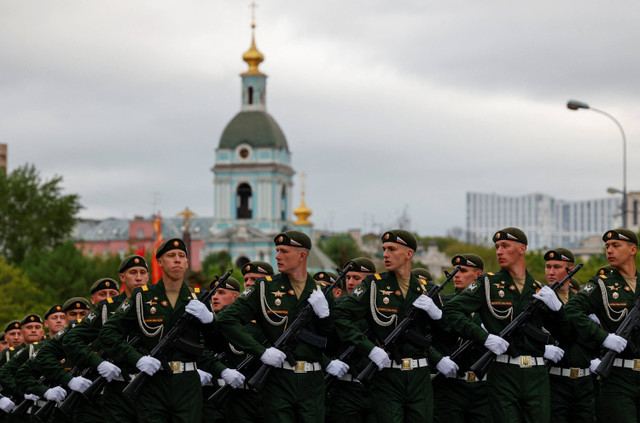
{"x":364,"y":265}
{"x":325,"y":278}
{"x":104,"y":283}
{"x":604,"y":270}
{"x":257,"y":267}
{"x":231,"y":284}
{"x":30,"y":318}
{"x":561,"y":254}
{"x":171,"y":244}
{"x":75,"y":303}
{"x":622,"y":235}
{"x":133,"y":261}
{"x":54,"y":309}
{"x":294,"y":239}
{"x":13,"y":325}
{"x":402,"y":237}
{"x":471,"y":260}
{"x":422,"y":273}
{"x":510,"y":234}
{"x":575,"y":284}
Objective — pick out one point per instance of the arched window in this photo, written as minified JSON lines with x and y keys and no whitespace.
{"x":250,"y":92}
{"x":244,"y":201}
{"x":283,"y":203}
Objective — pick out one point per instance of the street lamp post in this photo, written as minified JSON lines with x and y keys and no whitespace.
{"x":575,"y":105}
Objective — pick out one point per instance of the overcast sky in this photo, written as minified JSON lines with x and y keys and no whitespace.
{"x":386,"y":105}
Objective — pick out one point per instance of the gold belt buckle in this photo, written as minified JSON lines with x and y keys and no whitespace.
{"x":574,"y":372}
{"x":176,"y":366}
{"x":636,"y":364}
{"x":301,"y":367}
{"x":407,"y":364}
{"x":471,"y":377}
{"x":525,"y":361}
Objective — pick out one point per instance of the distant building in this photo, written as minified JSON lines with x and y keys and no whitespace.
{"x":3,"y":157}
{"x":548,"y":222}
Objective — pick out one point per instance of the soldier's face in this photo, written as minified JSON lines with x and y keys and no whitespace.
{"x":509,"y":253}
{"x":620,"y":252}
{"x":134,"y":277}
{"x":395,"y":255}
{"x":354,"y":279}
{"x":465,"y":276}
{"x":174,"y":264}
{"x":289,"y":258}
{"x":75,"y":314}
{"x":14,"y":337}
{"x":222,"y":298}
{"x":3,"y":344}
{"x":103,"y":294}
{"x":55,"y":322}
{"x":32,"y":332}
{"x":250,"y":279}
{"x":556,"y":270}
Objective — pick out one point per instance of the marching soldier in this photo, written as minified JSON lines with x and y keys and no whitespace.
{"x":174,"y":393}
{"x":326,"y":279}
{"x":609,"y":297}
{"x":572,"y":389}
{"x":54,"y":319}
{"x":518,"y":383}
{"x":255,"y":270}
{"x":401,"y":392}
{"x":463,"y":398}
{"x":293,"y":392}
{"x":364,"y":268}
{"x":3,"y":342}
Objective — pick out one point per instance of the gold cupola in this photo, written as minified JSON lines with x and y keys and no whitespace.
{"x":253,"y":57}
{"x":302,"y":212}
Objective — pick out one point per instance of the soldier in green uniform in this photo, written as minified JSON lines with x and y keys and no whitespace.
{"x":401,"y":391}
{"x":518,"y":382}
{"x":609,"y":297}
{"x":348,"y":400}
{"x":3,"y":342}
{"x":464,"y":397}
{"x":292,"y":392}
{"x":54,"y":319}
{"x":255,"y":270}
{"x":174,"y":393}
{"x":572,"y":389}
{"x":326,"y":279}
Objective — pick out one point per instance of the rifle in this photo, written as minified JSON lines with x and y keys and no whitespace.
{"x":391,"y":342}
{"x":174,"y":340}
{"x":518,"y":323}
{"x":296,"y":331}
{"x":624,"y":330}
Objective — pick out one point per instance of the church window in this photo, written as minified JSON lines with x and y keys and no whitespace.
{"x":244,"y":201}
{"x":250,"y":92}
{"x":283,"y":204}
{"x":244,"y":153}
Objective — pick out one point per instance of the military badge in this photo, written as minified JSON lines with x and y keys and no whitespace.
{"x":90,"y":316}
{"x":278,"y":293}
{"x":291,"y":292}
{"x":164,"y":303}
{"x":125,"y":305}
{"x":588,"y":288}
{"x":398,"y":293}
{"x":358,"y":291}
{"x":626,"y":288}
{"x":501,"y":293}
{"x":136,"y":260}
{"x":176,"y":243}
{"x":385,"y":300}
{"x":615,"y":295}
{"x":512,"y":288}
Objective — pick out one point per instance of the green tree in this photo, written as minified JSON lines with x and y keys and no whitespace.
{"x":19,"y":295}
{"x":34,"y":214}
{"x":340,"y":248}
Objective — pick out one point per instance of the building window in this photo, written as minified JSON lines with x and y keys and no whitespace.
{"x":250,"y":92}
{"x":140,"y":233}
{"x":244,"y":202}
{"x":283,"y":204}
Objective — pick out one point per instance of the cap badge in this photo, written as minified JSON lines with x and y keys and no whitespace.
{"x":386,"y":236}
{"x":609,"y":234}
{"x":551,"y":255}
{"x":176,"y":243}
{"x":321,"y":275}
{"x":458,"y":260}
{"x":107,"y":284}
{"x":247,"y":268}
{"x":78,"y":305}
{"x":280,"y":239}
{"x":136,"y":260}
{"x":58,"y":308}
{"x":32,"y":318}
{"x":498,"y":235}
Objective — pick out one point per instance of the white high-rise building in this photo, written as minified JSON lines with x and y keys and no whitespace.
{"x":548,"y":222}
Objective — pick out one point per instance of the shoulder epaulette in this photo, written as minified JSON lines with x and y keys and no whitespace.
{"x":268,"y":278}
{"x":377,"y":276}
{"x":144,"y":287}
{"x":603,"y":277}
{"x":11,"y":348}
{"x":110,"y":300}
{"x":35,"y":343}
{"x":196,"y":290}
{"x":491,"y":274}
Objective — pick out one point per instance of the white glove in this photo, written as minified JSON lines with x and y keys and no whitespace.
{"x":273,"y":357}
{"x":447,"y":367}
{"x":594,"y":364}
{"x":57,"y":394}
{"x":337,"y":368}
{"x":109,"y":371}
{"x":553,"y":353}
{"x":380,"y":357}
{"x":423,"y":302}
{"x":6,"y":404}
{"x":233,"y":378}
{"x":594,"y":319}
{"x":319,"y":304}
{"x":79,"y":384}
{"x":205,"y":377}
{"x":549,"y":298}
{"x":615,"y":342}
{"x":496,"y":345}
{"x":31,"y":397}
{"x":148,"y":364}
{"x":200,"y":311}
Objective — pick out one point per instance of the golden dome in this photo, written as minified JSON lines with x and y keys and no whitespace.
{"x":253,"y":57}
{"x":302,"y":212}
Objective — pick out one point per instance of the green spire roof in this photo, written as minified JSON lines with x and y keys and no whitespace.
{"x":256,"y":128}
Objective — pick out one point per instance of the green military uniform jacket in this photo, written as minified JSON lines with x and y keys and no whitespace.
{"x":610,"y":298}
{"x":495,"y":297}
{"x":378,"y":300}
{"x":8,"y":353}
{"x":272,"y":303}
{"x":8,"y":371}
{"x":149,"y":314}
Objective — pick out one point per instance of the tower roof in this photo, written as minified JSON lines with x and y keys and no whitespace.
{"x":256,"y":128}
{"x":253,"y":57}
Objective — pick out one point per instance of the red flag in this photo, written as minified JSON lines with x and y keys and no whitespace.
{"x":156,"y":271}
